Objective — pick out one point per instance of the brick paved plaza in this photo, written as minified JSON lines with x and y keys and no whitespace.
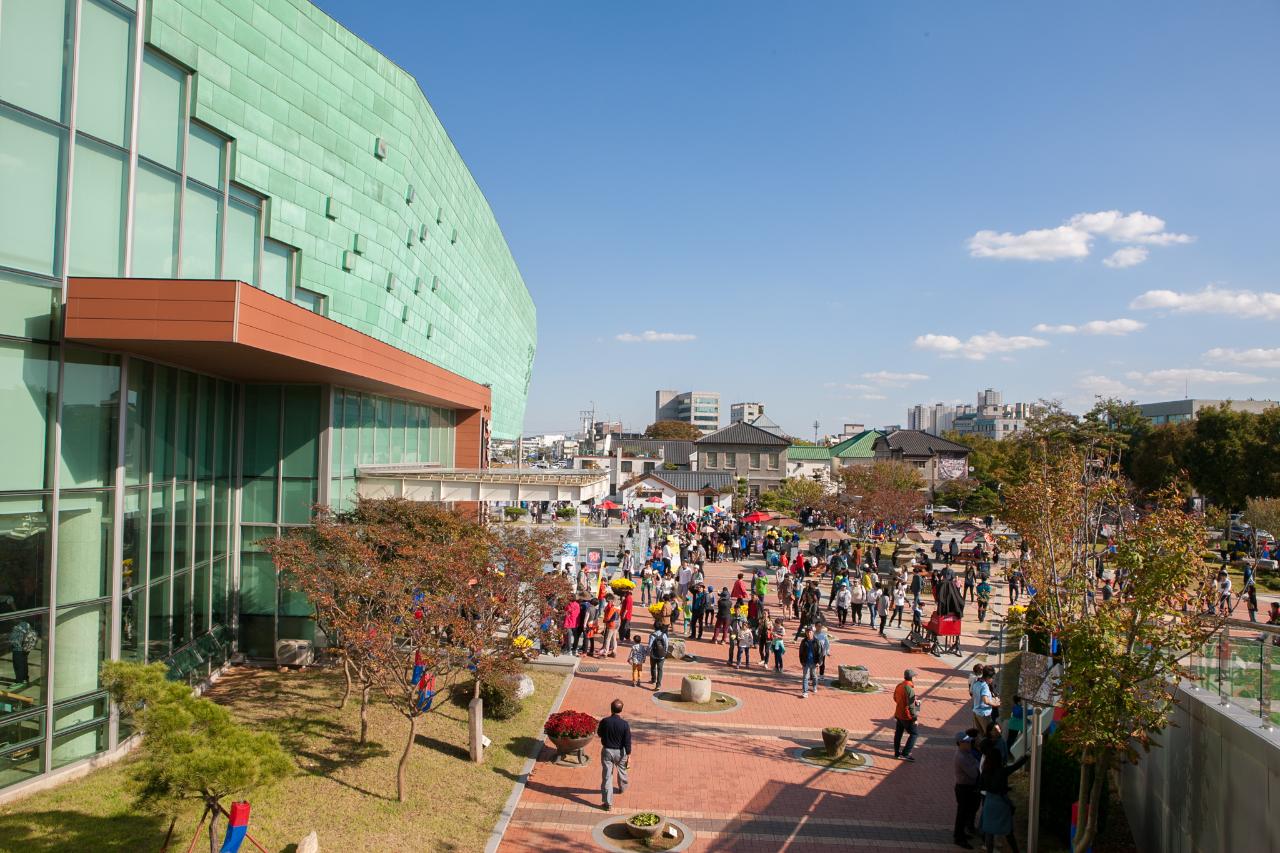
{"x":733,"y":778}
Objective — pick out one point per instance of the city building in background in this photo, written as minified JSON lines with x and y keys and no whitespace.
{"x":740,"y":413}
{"x":991,"y":417}
{"x":240,"y":261}
{"x":700,"y":408}
{"x":1179,"y":411}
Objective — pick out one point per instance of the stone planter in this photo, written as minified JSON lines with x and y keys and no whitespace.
{"x":645,"y":832}
{"x":835,"y":742}
{"x":854,"y":678}
{"x":571,"y":745}
{"x":695,"y":689}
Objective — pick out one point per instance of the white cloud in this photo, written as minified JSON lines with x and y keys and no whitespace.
{"x":652,"y":337}
{"x":1105,"y":386}
{"x":894,"y":380}
{"x":1245,"y":304}
{"x":1129,"y":256}
{"x":1121,"y":326}
{"x":1176,"y":379}
{"x":874,"y":397}
{"x":1074,"y":239}
{"x":1256,"y":357}
{"x":977,"y":347}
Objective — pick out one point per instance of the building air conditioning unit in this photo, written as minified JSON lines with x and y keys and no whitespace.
{"x":294,"y":653}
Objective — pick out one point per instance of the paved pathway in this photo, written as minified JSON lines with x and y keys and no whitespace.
{"x":731,"y":776}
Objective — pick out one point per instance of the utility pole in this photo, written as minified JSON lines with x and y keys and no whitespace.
{"x":815,"y":432}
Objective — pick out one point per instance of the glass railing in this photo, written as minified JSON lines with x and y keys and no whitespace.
{"x":1239,"y":665}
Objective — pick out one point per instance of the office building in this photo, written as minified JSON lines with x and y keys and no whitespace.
{"x":240,"y":260}
{"x":700,"y":408}
{"x":991,"y":417}
{"x":745,"y":413}
{"x":1179,"y":411}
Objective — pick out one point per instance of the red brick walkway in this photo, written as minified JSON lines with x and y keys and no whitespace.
{"x":731,"y":776}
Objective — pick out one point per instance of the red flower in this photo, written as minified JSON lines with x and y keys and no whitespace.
{"x":570,"y":724}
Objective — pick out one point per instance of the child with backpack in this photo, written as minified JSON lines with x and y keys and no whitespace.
{"x":778,"y":643}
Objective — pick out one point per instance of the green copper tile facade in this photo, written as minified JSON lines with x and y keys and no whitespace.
{"x":364,"y":181}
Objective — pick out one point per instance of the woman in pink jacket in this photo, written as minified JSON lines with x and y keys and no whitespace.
{"x":571,"y":613}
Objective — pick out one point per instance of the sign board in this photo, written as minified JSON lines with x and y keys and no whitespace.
{"x":1038,"y":679}
{"x":595,"y":559}
{"x":570,"y":551}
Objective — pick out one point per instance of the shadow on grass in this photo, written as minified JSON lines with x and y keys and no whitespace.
{"x":63,"y":830}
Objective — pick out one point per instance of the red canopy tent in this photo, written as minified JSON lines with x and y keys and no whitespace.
{"x":757,"y":517}
{"x":609,"y":505}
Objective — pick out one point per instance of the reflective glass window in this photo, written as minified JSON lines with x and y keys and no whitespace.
{"x":28,"y":379}
{"x":242,"y":242}
{"x":24,"y":553}
{"x":200,"y":600}
{"x":301,"y":430}
{"x":29,"y":306}
{"x":159,"y":641}
{"x":164,"y":391}
{"x":76,"y":714}
{"x":102,"y":91}
{"x":35,"y":39}
{"x":135,"y":520}
{"x":181,"y":526}
{"x":201,"y":215}
{"x":309,"y":299}
{"x":397,"y":430}
{"x":133,"y":624}
{"x":161,"y":507}
{"x":161,"y":116}
{"x":30,"y":184}
{"x":90,"y":402}
{"x":204,"y":521}
{"x":78,"y":745}
{"x":277,"y":268}
{"x":97,"y":210}
{"x":16,"y":730}
{"x":184,"y":425}
{"x":85,"y":629}
{"x":206,"y":152}
{"x":257,"y":595}
{"x":22,"y":663}
{"x":19,"y":765}
{"x":181,"y":609}
{"x":219,"y":592}
{"x":137,"y":422}
{"x":84,"y":545}
{"x":155,"y":222}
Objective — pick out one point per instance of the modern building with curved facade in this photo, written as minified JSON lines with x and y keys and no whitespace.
{"x":239,"y":259}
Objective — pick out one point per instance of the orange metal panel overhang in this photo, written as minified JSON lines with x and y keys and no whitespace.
{"x":235,"y":330}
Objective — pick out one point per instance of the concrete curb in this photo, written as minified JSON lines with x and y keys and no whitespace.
{"x":509,"y":809}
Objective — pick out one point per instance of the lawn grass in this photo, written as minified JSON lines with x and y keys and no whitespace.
{"x":344,"y":791}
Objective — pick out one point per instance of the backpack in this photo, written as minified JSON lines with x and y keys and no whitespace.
{"x":659,"y":650}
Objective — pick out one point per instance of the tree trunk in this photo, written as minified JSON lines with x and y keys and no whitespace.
{"x":1087,"y":827}
{"x":213,"y":823}
{"x":346,"y":692}
{"x":364,"y":713}
{"x":168,"y":836}
{"x":402,"y":770}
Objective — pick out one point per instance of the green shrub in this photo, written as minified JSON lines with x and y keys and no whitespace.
{"x":514,"y":512}
{"x":566,"y":512}
{"x":500,"y":702}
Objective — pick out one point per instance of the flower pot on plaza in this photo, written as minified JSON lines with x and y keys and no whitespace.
{"x":854,"y":678}
{"x":695,"y":688}
{"x":650,"y":829}
{"x":570,"y":745}
{"x":834,"y":739}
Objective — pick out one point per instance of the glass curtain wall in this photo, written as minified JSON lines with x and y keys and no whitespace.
{"x":280,"y":470}
{"x":370,"y":430}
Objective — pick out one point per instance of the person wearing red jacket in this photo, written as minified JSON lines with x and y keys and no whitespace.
{"x":628,"y":602}
{"x":739,"y":592}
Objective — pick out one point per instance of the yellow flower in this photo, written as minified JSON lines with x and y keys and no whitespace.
{"x":655,"y":608}
{"x":621,"y":585}
{"x":522,"y":642}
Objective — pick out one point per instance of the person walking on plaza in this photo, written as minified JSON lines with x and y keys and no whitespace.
{"x":778,"y":643}
{"x":746,"y":640}
{"x":899,"y":602}
{"x":723,"y":607}
{"x":857,"y":597}
{"x":906,"y":713}
{"x":739,"y":592}
{"x":628,"y":607}
{"x":985,"y":702}
{"x":882,"y":609}
{"x":966,"y":763}
{"x":639,"y":652}
{"x":984,"y":599}
{"x":810,"y":653}
{"x":646,"y":584}
{"x":659,"y":644}
{"x":953,"y":550}
{"x":970,"y":583}
{"x":844,"y":598}
{"x":824,"y":648}
{"x":697,"y":607}
{"x":610,"y":620}
{"x":615,"y":753}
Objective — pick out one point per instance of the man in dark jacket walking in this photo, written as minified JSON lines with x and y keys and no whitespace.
{"x":810,"y":659}
{"x":615,"y":752}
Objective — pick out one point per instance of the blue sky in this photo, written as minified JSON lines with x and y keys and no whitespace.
{"x":852,"y":207}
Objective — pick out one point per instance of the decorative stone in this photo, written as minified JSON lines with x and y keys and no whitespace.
{"x":678,"y":650}
{"x":524,"y":687}
{"x":310,"y":844}
{"x":695,"y":689}
{"x":854,"y":677}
